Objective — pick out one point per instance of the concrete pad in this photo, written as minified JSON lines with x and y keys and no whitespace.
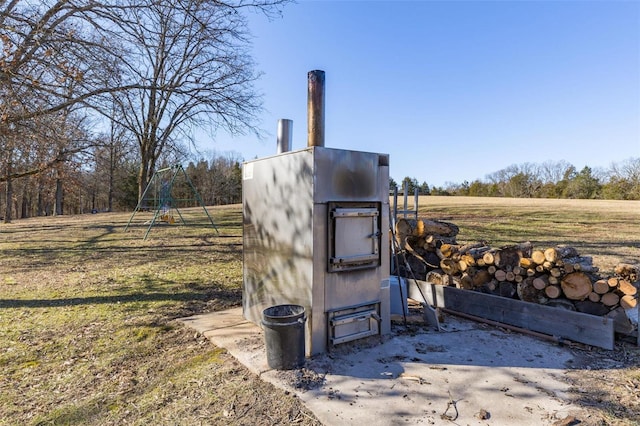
{"x":467,"y":374}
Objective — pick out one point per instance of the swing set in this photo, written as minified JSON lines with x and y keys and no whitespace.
{"x":159,"y":197}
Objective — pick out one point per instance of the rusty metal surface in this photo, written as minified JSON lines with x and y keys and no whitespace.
{"x":315,"y":108}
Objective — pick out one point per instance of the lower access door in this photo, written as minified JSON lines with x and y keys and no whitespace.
{"x":352,"y":323}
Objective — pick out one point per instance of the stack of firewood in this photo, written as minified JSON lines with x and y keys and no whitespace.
{"x":556,"y":276}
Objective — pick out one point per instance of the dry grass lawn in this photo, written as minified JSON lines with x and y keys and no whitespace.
{"x":87,"y":312}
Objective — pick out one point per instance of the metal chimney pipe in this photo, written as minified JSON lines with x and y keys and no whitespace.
{"x":285,"y":135}
{"x":315,"y":108}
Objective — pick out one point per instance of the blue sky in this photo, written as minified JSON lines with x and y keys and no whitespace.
{"x":455,"y":90}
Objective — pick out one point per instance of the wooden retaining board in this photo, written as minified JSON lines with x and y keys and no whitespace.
{"x":576,"y":326}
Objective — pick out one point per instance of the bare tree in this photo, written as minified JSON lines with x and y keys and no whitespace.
{"x":52,"y":62}
{"x":191,"y":64}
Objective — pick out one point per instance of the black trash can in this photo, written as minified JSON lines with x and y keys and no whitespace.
{"x":284,"y":336}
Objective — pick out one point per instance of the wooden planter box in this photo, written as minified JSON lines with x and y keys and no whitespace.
{"x":560,"y":323}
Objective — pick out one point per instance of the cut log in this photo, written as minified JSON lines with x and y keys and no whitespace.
{"x":610,"y":299}
{"x":568,"y":268}
{"x":540,"y":282}
{"x":489,"y":287}
{"x":582,"y":263}
{"x":481,"y":277}
{"x":526,"y":248}
{"x":527,"y":263}
{"x":488,"y":258}
{"x":466,"y":282}
{"x":511,"y":276}
{"x":416,"y":256}
{"x":466,"y":261}
{"x":500,"y":275}
{"x":601,"y":287}
{"x":538,"y":257}
{"x":450,"y":266}
{"x":613,"y":282}
{"x":448,"y":250}
{"x":528,"y":293}
{"x":478,"y":252}
{"x":555,"y":272}
{"x":424,"y":227}
{"x":552,"y":291}
{"x":594,"y":297}
{"x":553,"y":280}
{"x":438,"y":277}
{"x":431,"y":242}
{"x":566,"y":251}
{"x":551,"y":254}
{"x":492,"y":269}
{"x":576,"y":286}
{"x":511,"y":255}
{"x":626,"y":288}
{"x":470,"y":248}
{"x":628,"y":302}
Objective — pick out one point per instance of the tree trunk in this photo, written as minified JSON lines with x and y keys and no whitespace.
{"x":8,"y":200}
{"x":59,"y":198}
{"x":8,"y":188}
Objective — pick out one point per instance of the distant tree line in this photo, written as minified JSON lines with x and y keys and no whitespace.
{"x":621,"y":181}
{"x":107,"y":180}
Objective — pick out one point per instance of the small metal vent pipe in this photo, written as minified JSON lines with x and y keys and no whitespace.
{"x":285,"y":135}
{"x":315,"y":108}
